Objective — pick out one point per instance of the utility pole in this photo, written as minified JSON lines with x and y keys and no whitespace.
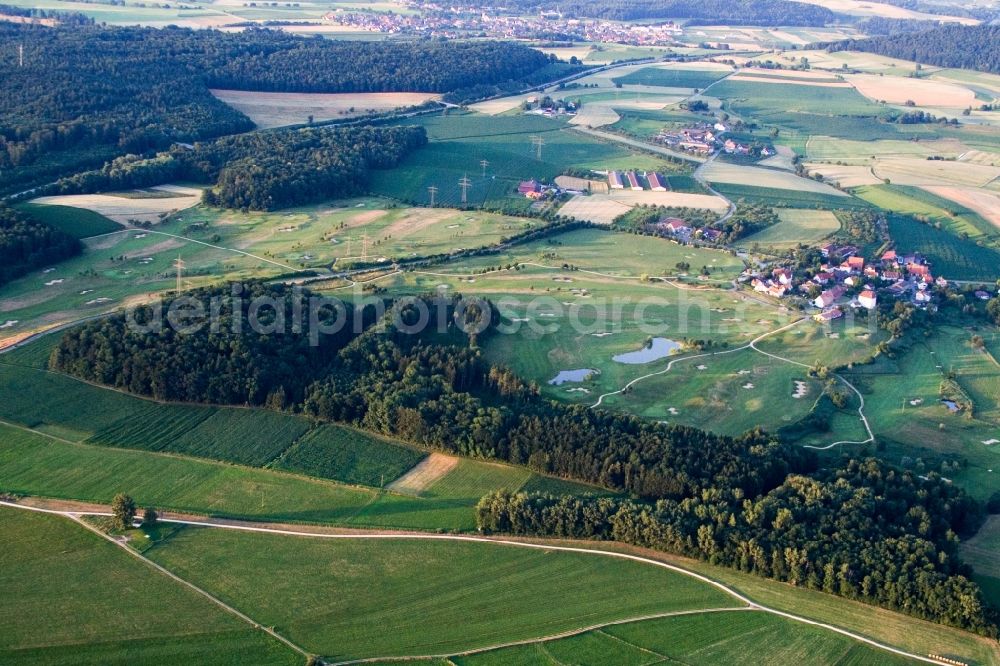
{"x":20,"y":55}
{"x":433,"y":190}
{"x":465,"y":184}
{"x":364,"y":246}
{"x":179,"y":264}
{"x":484,"y":164}
{"x":538,"y":142}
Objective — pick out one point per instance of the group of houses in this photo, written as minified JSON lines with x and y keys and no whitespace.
{"x":632,"y":180}
{"x":705,"y":138}
{"x":846,"y":279}
{"x":684,"y":231}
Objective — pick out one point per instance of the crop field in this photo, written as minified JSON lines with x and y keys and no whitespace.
{"x":922,"y":92}
{"x":760,"y":101}
{"x":707,"y":638}
{"x":797,"y":226}
{"x":125,"y":209}
{"x":720,"y":172}
{"x":460,"y":142}
{"x":246,"y":436}
{"x":349,"y":456}
{"x":270,"y":109}
{"x":604,"y":208}
{"x":77,"y":222}
{"x":984,"y":204}
{"x":950,"y":256}
{"x":783,"y":198}
{"x":983,"y":552}
{"x":71,"y":597}
{"x":674,"y":77}
{"x":864,"y":152}
{"x":433,"y":594}
{"x":930,"y":205}
{"x":911,"y":171}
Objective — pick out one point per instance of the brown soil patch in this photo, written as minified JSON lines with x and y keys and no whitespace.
{"x":416,"y":219}
{"x":987,"y":204}
{"x":424,"y":474}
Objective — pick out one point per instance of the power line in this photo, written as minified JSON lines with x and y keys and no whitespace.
{"x":484,"y":164}
{"x":465,"y":184}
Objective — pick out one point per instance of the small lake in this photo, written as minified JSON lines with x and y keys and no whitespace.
{"x":660,"y":348}
{"x":571,"y":376}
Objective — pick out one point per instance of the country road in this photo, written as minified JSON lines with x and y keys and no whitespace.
{"x":300,"y":531}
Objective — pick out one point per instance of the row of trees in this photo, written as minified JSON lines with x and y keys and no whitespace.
{"x":263,"y":170}
{"x":967,"y":47}
{"x":864,"y":531}
{"x":26,"y":245}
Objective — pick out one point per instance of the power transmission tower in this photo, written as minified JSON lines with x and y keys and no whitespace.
{"x":433,"y":190}
{"x":20,"y":55}
{"x":364,"y":246}
{"x":538,"y":142}
{"x":179,"y":264}
{"x":465,"y":184}
{"x":484,"y":164}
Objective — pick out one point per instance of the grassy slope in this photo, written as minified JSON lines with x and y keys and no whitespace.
{"x":437,"y":597}
{"x":77,"y":222}
{"x":72,"y":598}
{"x":711,"y":638}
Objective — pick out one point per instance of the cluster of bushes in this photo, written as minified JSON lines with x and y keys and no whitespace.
{"x":26,"y":245}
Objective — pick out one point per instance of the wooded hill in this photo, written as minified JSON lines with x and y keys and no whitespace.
{"x":26,"y":245}
{"x":863,"y":529}
{"x":965,"y":47}
{"x":88,"y":93}
{"x":263,"y":170}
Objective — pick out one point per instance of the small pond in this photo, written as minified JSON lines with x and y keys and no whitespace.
{"x":659,"y":348}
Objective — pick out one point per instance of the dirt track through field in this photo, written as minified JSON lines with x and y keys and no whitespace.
{"x":424,"y":474}
{"x":297,"y":531}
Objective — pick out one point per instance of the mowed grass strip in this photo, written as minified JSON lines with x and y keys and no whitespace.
{"x":723,"y":638}
{"x":72,"y":598}
{"x":246,"y":436}
{"x":77,"y":222}
{"x":437,"y":597}
{"x":351,"y":456}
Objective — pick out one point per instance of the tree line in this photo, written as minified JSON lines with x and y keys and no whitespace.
{"x":26,"y":245}
{"x":965,"y":47}
{"x":91,"y":92}
{"x":860,"y":529}
{"x":705,"y":12}
{"x":263,"y":170}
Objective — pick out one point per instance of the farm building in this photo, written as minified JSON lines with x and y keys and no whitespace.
{"x":656,"y":182}
{"x":633,"y":182}
{"x":615,"y":180}
{"x":529,"y":187}
{"x":828,"y":315}
{"x":674,"y":225}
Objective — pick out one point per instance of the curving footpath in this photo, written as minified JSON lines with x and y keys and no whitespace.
{"x":749,"y":604}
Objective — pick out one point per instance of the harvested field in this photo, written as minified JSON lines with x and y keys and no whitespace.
{"x":987,"y":204}
{"x":913,"y":171}
{"x":596,"y":115}
{"x":571,"y":183}
{"x":980,"y":157}
{"x":922,"y":92}
{"x":845,"y":176}
{"x":122,"y":210}
{"x":604,"y":208}
{"x":425,"y":474}
{"x":783,"y":160}
{"x":719,"y":172}
{"x":270,"y":109}
{"x":494,"y":107}
{"x":884,"y":10}
{"x":797,"y":226}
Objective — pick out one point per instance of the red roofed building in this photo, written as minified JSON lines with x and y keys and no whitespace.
{"x":867,"y":299}
{"x":529,"y":186}
{"x":656,"y":182}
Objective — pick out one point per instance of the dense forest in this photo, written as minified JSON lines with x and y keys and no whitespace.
{"x":966,"y":47}
{"x":87,"y":93}
{"x":26,"y":245}
{"x":704,"y":12}
{"x":863,"y":530}
{"x":263,"y":170}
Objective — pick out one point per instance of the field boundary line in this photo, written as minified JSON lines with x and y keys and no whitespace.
{"x":751,"y":605}
{"x":163,"y":570}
